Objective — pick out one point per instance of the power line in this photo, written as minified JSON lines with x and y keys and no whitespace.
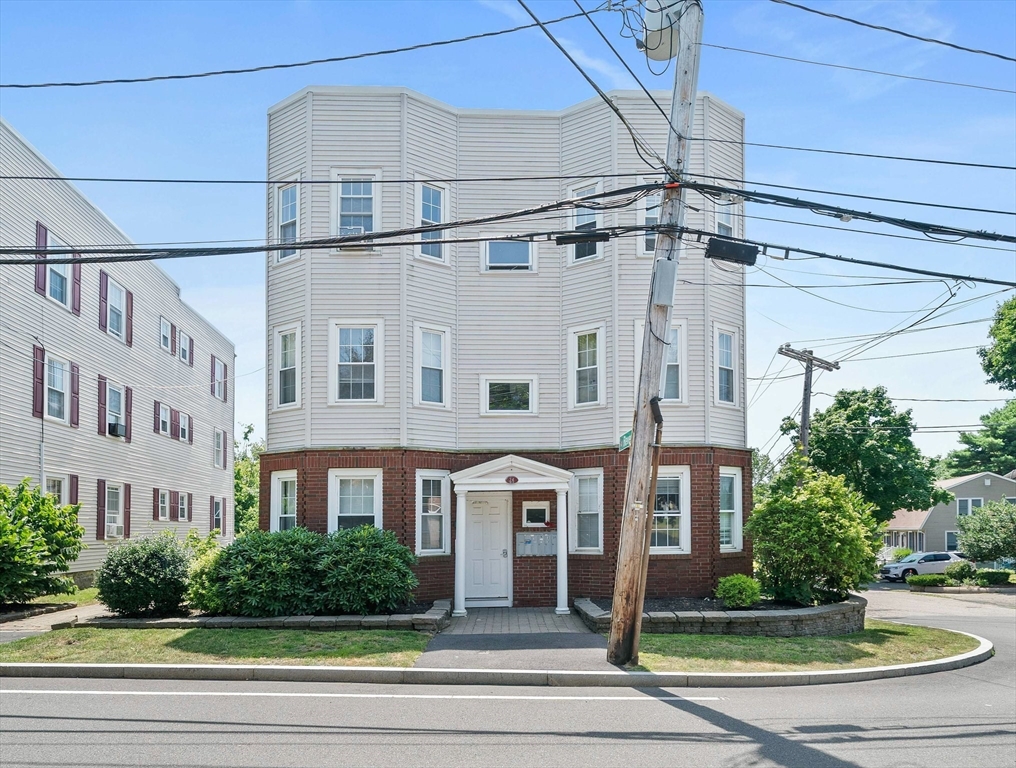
{"x":859,"y":23}
{"x":941,"y":400}
{"x":857,"y":69}
{"x":870,"y":335}
{"x":292,"y":65}
{"x":913,"y":354}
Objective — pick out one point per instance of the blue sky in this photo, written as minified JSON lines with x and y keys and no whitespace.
{"x":216,"y":128}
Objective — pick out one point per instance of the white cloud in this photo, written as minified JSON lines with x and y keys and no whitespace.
{"x":507,"y":8}
{"x":615,"y":74}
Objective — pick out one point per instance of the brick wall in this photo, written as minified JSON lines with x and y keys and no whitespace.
{"x":534,"y":578}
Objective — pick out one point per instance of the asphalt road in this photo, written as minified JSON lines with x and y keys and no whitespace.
{"x":963,"y":718}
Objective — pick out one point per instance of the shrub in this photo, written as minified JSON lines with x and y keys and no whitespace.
{"x":144,"y":577}
{"x":814,"y":538}
{"x":738,"y":591}
{"x":201,"y":592}
{"x":366,"y":570}
{"x":927,"y":580}
{"x":962,"y":571}
{"x":39,"y":539}
{"x":899,"y":554}
{"x":990,"y":578}
{"x":989,"y":532}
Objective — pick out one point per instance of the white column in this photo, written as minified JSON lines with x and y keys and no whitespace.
{"x":460,"y":554}
{"x":562,"y":553}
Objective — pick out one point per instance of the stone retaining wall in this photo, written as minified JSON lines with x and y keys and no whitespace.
{"x":838,"y":619}
{"x":434,"y":620}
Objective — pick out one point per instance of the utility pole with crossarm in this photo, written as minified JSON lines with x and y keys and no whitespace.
{"x":810,"y":361}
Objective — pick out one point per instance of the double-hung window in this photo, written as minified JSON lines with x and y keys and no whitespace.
{"x":585,"y":373}
{"x":671,"y":532}
{"x":586,"y":502}
{"x":432,"y":366}
{"x":114,"y":511}
{"x":508,"y":394}
{"x":114,"y":409}
{"x":287,"y":362}
{"x":730,"y":509}
{"x":356,"y":206}
{"x":726,"y":380}
{"x":56,"y":486}
{"x":219,"y":447}
{"x":117,"y":298}
{"x":356,"y":357}
{"x":287,"y":203}
{"x":57,"y":385}
{"x":185,"y":428}
{"x":58,"y":283}
{"x":965,"y":507}
{"x":432,"y":206}
{"x":219,"y":378}
{"x":185,"y":347}
{"x":433,"y":493}
{"x":165,"y":334}
{"x":216,"y":512}
{"x":354,"y":498}
{"x":725,"y":219}
{"x":650,"y":218}
{"x":283,"y":500}
{"x":952,"y":541}
{"x":163,"y":505}
{"x":165,"y":418}
{"x":508,"y":256}
{"x":184,"y":506}
{"x":585,"y":220}
{"x":671,"y":389}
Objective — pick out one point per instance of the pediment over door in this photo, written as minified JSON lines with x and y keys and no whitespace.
{"x":509,"y":473}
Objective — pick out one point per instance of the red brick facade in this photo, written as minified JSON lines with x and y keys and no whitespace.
{"x":534,"y":578}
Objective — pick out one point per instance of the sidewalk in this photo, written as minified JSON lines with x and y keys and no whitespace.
{"x":37,"y":625}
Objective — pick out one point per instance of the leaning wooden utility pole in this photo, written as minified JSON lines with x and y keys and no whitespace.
{"x":637,"y":512}
{"x":810,"y":361}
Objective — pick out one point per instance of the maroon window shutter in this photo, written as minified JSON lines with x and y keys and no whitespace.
{"x":38,"y":380}
{"x":100,"y":510}
{"x":225,"y":382}
{"x":155,"y":503}
{"x":75,"y":394}
{"x":128,"y":397}
{"x":190,"y":431}
{"x":190,"y":352}
{"x":130,"y":319}
{"x":224,"y":454}
{"x":102,"y":405}
{"x":158,"y":413}
{"x":76,"y":288}
{"x":172,"y":339}
{"x":103,"y":299}
{"x":41,"y":238}
{"x":72,"y":494}
{"x":174,"y":424}
{"x":211,"y":513}
{"x":190,"y":507}
{"x":223,"y":530}
{"x":213,"y":374}
{"x":126,"y":510}
{"x":174,"y":505}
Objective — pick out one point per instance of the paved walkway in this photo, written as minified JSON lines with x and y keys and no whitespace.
{"x":514,"y":621}
{"x":36,"y":625}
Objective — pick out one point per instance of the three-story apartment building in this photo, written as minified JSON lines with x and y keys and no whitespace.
{"x":470,"y":395}
{"x":114,"y":393}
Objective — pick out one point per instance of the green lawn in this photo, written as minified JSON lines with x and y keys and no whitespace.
{"x":81,"y":597}
{"x":881,"y":643}
{"x":371,"y":648}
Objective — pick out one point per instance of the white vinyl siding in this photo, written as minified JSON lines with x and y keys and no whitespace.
{"x":585,"y":527}
{"x":730,"y":509}
{"x":354,"y":498}
{"x":287,"y":367}
{"x":433,"y":512}
{"x":671,"y":532}
{"x":289,"y":211}
{"x":282,"y":509}
{"x":356,"y":354}
{"x":508,"y":395}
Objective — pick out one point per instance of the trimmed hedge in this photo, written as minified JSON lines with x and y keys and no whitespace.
{"x":738,"y":591}
{"x":961,"y":571}
{"x":990,"y":578}
{"x":144,"y":577}
{"x":927,"y":580}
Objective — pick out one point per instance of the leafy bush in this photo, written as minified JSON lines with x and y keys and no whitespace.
{"x":899,"y":554}
{"x":814,"y":539}
{"x":990,"y":578}
{"x":366,"y":570}
{"x":201,"y":592}
{"x":989,"y":532}
{"x":961,"y":571}
{"x":738,"y":591}
{"x":927,"y":580}
{"x":38,"y":541}
{"x":144,"y":577}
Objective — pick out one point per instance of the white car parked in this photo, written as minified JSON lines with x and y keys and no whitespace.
{"x":919,"y":562}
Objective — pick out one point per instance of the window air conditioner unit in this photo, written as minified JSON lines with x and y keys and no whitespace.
{"x":117,"y":429}
{"x":114,"y":531}
{"x":350,"y":232}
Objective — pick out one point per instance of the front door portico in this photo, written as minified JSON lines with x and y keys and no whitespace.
{"x":483,"y":531}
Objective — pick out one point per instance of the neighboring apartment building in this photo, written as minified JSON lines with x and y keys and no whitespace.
{"x":114,"y":394}
{"x":470,"y":396}
{"x":936,"y":529}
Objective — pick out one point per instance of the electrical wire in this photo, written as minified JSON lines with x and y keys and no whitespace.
{"x":870,"y":335}
{"x":894,"y":31}
{"x":939,"y":400}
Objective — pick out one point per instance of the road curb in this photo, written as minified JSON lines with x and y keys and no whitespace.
{"x":520,"y":677}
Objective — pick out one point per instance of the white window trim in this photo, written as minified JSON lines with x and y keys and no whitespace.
{"x":333,"y":359}
{"x":185,"y":438}
{"x":534,"y":394}
{"x":681,"y":325}
{"x":65,"y":489}
{"x":110,"y":283}
{"x":573,"y":357}
{"x":485,"y":260}
{"x":220,"y":384}
{"x":945,"y":541}
{"x":119,"y":488}
{"x":289,"y":181}
{"x":334,"y":475}
{"x":684,"y":473}
{"x":735,"y":353}
{"x":217,"y":459}
{"x":110,"y":384}
{"x":169,"y":334}
{"x":66,"y":390}
{"x":640,"y":249}
{"x":168,"y":420}
{"x":717,"y":207}
{"x":527,"y":505}
{"x":573,"y":223}
{"x":970,"y":504}
{"x":277,"y":355}
{"x":339,"y":173}
{"x":418,"y":221}
{"x":276,"y":500}
{"x":573,"y":511}
{"x":446,"y":502}
{"x":54,"y":242}
{"x":216,"y":502}
{"x":182,"y":503}
{"x":446,"y":334}
{"x":164,"y":497}
{"x":736,"y":535}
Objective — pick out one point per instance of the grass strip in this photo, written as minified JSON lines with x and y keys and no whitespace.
{"x":372,"y":648}
{"x":882,"y":643}
{"x":82,"y":597}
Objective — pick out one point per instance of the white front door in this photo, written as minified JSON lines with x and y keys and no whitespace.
{"x":488,"y":548}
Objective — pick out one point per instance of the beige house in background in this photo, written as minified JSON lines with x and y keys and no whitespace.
{"x":936,"y":529}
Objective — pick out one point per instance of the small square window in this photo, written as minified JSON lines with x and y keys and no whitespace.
{"x":535,"y":514}
{"x":509,"y":256}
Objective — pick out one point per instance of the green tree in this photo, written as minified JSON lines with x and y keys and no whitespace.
{"x":247,"y":480}
{"x":992,"y":449}
{"x":998,"y":359}
{"x":762,"y":470}
{"x":989,"y":533}
{"x":862,"y":437}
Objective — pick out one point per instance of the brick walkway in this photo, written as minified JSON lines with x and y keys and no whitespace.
{"x":514,"y":621}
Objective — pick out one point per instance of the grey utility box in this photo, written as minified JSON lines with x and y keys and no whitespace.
{"x":535,"y":544}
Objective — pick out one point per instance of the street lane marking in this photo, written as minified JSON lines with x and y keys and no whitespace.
{"x":299,"y":695}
